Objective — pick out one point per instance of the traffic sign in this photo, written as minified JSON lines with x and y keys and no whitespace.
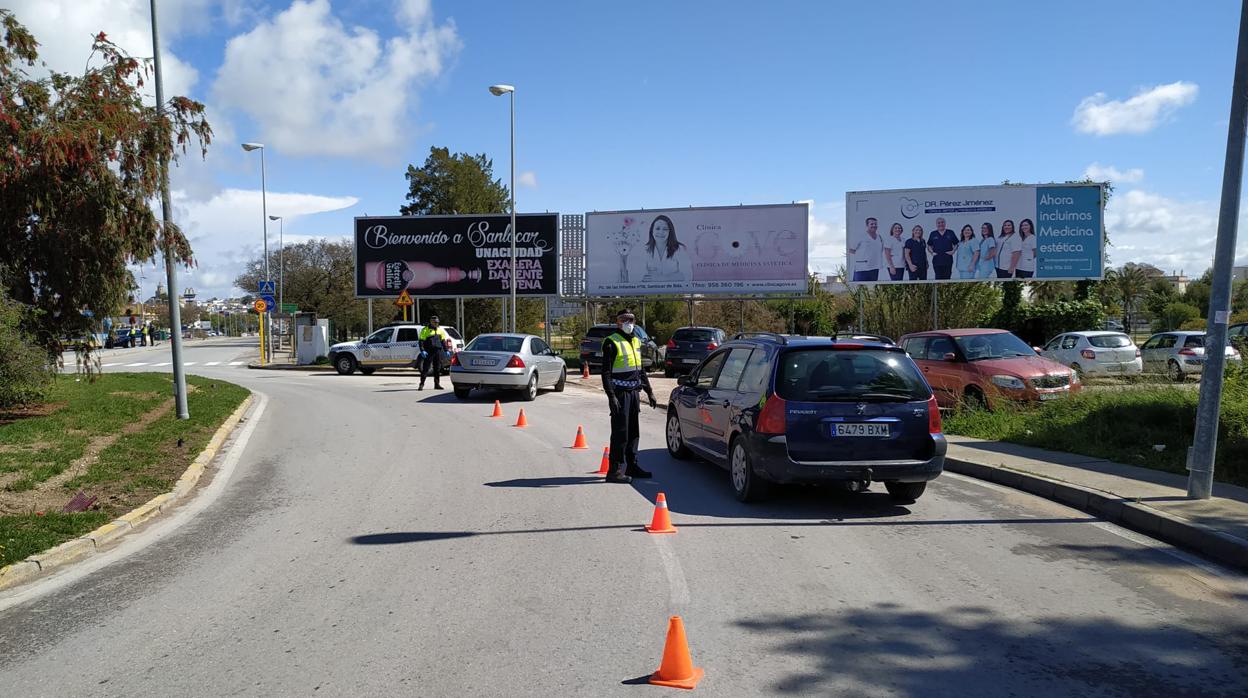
{"x":270,"y":300}
{"x":404,"y":300}
{"x":267,"y":288}
{"x":260,"y":305}
{"x":289,"y":308}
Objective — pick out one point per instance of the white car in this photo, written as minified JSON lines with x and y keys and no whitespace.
{"x":521,"y":362}
{"x":1096,"y":353}
{"x":1180,"y":354}
{"x":393,"y":346}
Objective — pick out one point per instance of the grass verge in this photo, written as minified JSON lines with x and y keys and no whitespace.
{"x":1122,"y":426}
{"x":140,"y":464}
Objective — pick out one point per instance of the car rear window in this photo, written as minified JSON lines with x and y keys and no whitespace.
{"x":812,"y":375}
{"x":693,"y":335}
{"x":1194,"y":340}
{"x":496,"y":343}
{"x":1110,"y":341}
{"x":599,"y":332}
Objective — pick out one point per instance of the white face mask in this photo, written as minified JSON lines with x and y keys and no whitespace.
{"x":627,"y":327}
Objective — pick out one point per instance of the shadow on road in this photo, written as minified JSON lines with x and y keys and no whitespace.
{"x":971,"y":651}
{"x":542,"y":482}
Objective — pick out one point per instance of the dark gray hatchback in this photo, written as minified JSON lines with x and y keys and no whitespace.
{"x":689,"y":346}
{"x":775,"y":409}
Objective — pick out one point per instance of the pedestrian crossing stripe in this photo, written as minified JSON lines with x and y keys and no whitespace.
{"x":189,"y":363}
{"x":237,"y":363}
{"x":137,"y":363}
{"x":167,"y":363}
{"x":212,"y":363}
{"x":110,"y":365}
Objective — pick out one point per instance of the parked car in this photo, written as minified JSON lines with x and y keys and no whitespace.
{"x":521,"y":362}
{"x":984,"y":366}
{"x":863,"y":336}
{"x":1095,"y":353}
{"x":392,"y":346}
{"x":591,"y":346}
{"x":774,"y":409}
{"x":688,"y":346}
{"x":1179,"y":354}
{"x":1114,"y":326}
{"x":121,"y":338}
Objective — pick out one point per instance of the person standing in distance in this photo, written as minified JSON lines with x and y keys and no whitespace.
{"x":623,"y":379}
{"x":432,"y":343}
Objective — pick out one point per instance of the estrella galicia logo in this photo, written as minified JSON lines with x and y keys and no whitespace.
{"x":909,"y":207}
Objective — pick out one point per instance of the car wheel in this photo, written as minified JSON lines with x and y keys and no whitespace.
{"x":973,"y":399}
{"x":1078,"y":370}
{"x":905,"y":492}
{"x":748,"y":486}
{"x":345,"y":364}
{"x":668,"y":372}
{"x":563,"y":380}
{"x":530,"y":391}
{"x":1174,"y":371}
{"x":676,"y":440}
{"x":463,"y":393}
{"x":367,"y":370}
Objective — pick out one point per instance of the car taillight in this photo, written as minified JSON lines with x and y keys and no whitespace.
{"x":671,"y":344}
{"x":933,"y":416}
{"x":1137,"y":353}
{"x":1187,"y":352}
{"x":772,"y":419}
{"x":454,"y":359}
{"x":712,"y":346}
{"x":515,"y":362}
{"x":1088,"y":354}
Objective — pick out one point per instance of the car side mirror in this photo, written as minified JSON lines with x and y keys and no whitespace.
{"x":949,"y":356}
{"x":1037,"y":349}
{"x":685,"y":380}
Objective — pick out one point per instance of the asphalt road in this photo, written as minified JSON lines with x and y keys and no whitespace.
{"x":376,"y":540}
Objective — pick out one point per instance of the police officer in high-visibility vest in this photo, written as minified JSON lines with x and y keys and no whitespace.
{"x":624,"y":379}
{"x":433,"y":341}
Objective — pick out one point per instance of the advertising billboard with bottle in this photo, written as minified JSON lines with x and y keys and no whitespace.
{"x":728,"y":250}
{"x":1014,"y":231}
{"x":464,"y":255}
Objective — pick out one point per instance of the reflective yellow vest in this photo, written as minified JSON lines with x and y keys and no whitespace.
{"x":627,"y":354}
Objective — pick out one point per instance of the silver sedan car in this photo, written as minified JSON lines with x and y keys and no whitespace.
{"x":1179,"y":354}
{"x":521,"y":362}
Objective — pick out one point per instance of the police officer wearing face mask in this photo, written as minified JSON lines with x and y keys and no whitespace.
{"x":623,"y":379}
{"x":432,"y":343}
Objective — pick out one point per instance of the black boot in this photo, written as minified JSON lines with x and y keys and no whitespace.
{"x":421,"y":386}
{"x":616,"y":477}
{"x":635,"y":470}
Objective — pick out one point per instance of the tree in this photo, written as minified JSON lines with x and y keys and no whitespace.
{"x":80,"y":162}
{"x":1160,"y":294}
{"x":319,"y":278}
{"x":448,"y":184}
{"x":1129,"y":284}
{"x":1174,"y":315}
{"x":1198,"y":292}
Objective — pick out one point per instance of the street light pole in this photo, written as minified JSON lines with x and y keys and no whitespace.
{"x":498,"y":91}
{"x":1205,"y":440}
{"x":264,"y":212}
{"x":281,"y":267}
{"x":171,"y":272}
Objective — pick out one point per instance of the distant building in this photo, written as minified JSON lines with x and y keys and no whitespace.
{"x":1178,"y":281}
{"x":1239,"y":273}
{"x":835,"y":284}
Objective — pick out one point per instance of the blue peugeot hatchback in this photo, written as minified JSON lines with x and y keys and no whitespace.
{"x":782,"y":409}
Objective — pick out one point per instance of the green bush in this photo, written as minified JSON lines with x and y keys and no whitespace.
{"x":24,"y":371}
{"x":1174,"y":316}
{"x":1039,"y":322}
{"x":321,"y":361}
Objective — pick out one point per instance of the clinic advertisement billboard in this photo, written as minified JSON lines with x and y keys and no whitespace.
{"x":463,"y":255}
{"x":730,"y":250}
{"x":1047,"y":232}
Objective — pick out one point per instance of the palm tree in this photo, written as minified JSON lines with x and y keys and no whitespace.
{"x":1051,"y":291}
{"x":1130,"y":284}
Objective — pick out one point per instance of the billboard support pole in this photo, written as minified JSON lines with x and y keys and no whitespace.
{"x":741,"y":315}
{"x":546,"y":302}
{"x":861,"y":310}
{"x":1205,"y":440}
{"x":370,"y":315}
{"x":416,"y":316}
{"x":935,"y":306}
{"x":690,"y":311}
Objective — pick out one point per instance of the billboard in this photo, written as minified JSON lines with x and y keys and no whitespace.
{"x":730,"y":250}
{"x":1043,"y":231}
{"x":464,"y":255}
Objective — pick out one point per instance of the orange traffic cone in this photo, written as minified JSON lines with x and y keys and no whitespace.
{"x":521,"y":421}
{"x":677,"y":669}
{"x":605,"y":466}
{"x":662,"y":521}
{"x":584,"y":370}
{"x":498,"y":409}
{"x":580,"y":442}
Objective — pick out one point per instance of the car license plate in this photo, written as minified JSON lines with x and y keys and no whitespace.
{"x":484,"y":362}
{"x":879,"y":431}
{"x":597,"y":353}
{"x":1113,"y":368}
{"x":689,"y":361}
{"x":1044,"y":397}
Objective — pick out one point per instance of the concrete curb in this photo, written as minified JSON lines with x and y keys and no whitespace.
{"x":88,"y":544}
{"x":1214,"y":544}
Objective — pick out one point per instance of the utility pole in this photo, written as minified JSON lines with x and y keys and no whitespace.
{"x":1205,"y":441}
{"x":171,"y":272}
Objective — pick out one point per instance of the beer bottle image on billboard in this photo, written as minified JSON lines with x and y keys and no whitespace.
{"x":399,"y":275}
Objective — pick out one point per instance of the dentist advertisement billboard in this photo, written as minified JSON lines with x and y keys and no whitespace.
{"x":1047,"y":232}
{"x":729,"y":250}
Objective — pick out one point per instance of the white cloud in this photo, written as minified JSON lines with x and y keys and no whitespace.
{"x":1170,"y":234}
{"x":1108,"y":173}
{"x":527,"y":178}
{"x":826,"y":226}
{"x":316,"y":86}
{"x":1142,"y":113}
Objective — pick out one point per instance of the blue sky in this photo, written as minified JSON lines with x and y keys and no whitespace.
{"x":655,"y":104}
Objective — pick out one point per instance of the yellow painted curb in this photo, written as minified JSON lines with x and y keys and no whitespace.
{"x":35,"y":565}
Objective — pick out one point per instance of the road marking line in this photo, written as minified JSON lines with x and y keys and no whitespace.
{"x":189,"y":363}
{"x":678,"y":588}
{"x":212,"y":363}
{"x":166,"y":363}
{"x":237,"y":363}
{"x":109,"y":365}
{"x":136,"y":363}
{"x":160,"y":528}
{"x":1115,"y":529}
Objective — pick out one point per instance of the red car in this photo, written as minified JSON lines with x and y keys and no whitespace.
{"x":982,"y":367}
